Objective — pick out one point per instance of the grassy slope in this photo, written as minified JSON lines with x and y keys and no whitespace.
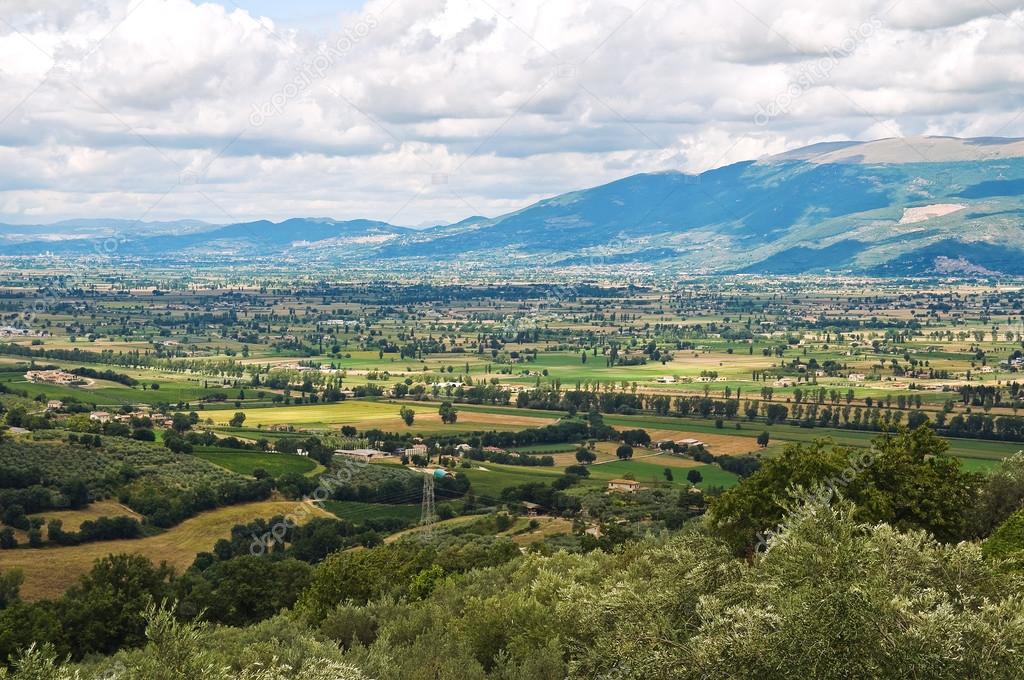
{"x":652,"y":471}
{"x":244,"y":462}
{"x":49,"y":571}
{"x":357,"y":512}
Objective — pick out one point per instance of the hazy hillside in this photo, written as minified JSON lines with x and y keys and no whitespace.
{"x":892,"y":206}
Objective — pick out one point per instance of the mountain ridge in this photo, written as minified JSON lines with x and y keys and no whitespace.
{"x":880,"y":206}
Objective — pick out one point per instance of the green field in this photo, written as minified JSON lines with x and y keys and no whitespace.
{"x":245,"y":462}
{"x":649,"y":471}
{"x":173,"y":387}
{"x":357,"y":512}
{"x":786,"y":434}
{"x":487,"y":483}
{"x":348,"y":412}
{"x":547,"y":448}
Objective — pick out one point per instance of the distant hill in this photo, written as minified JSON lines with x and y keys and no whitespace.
{"x":903,"y":206}
{"x":92,"y":228}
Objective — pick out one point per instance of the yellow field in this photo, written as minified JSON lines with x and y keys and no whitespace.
{"x":73,"y":518}
{"x":549,"y":526}
{"x":49,"y":571}
{"x":606,"y":454}
{"x":716,"y":444}
{"x":367,"y":414}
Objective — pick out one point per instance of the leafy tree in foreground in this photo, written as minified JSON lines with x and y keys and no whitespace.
{"x":1001,"y":494}
{"x":832,"y":598}
{"x":905,"y":480}
{"x":1007,"y":541}
{"x":10,"y":587}
{"x":276,"y":650}
{"x":104,"y":611}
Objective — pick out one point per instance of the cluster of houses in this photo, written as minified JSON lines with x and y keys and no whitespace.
{"x":54,"y":377}
{"x":365,"y":455}
{"x":671,"y":379}
{"x":375,"y":454}
{"x":330,"y":370}
{"x":158,"y":419}
{"x":368,"y":455}
{"x":102,"y":417}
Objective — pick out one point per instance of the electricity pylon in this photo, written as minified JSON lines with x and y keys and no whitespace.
{"x":427,"y":505}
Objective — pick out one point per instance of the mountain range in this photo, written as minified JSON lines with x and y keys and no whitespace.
{"x":899,"y":206}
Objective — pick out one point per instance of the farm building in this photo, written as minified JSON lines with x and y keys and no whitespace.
{"x":687,"y":443}
{"x":533,"y":509}
{"x":416,"y":449}
{"x":362,"y":454}
{"x":100,"y":416}
{"x":623,"y":485}
{"x":54,"y":405}
{"x":55,"y":376}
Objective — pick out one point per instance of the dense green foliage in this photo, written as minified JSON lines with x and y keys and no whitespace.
{"x":905,"y":481}
{"x":105,"y":468}
{"x":866,"y":541}
{"x":898,"y":605}
{"x":273,"y":650}
{"x":1007,"y":541}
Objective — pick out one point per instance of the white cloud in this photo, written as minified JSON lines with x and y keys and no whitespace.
{"x":170,"y":108}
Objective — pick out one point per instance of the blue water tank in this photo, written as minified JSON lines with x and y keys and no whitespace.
{"x":439,"y":473}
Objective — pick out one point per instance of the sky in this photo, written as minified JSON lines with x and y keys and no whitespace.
{"x":422,"y":112}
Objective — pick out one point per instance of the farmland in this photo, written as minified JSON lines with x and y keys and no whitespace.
{"x":244,"y":463}
{"x":366,"y":415}
{"x":49,"y":570}
{"x":187,"y":411}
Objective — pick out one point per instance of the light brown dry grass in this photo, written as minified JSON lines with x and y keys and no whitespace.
{"x":49,"y":571}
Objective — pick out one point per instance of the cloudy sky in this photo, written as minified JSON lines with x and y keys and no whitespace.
{"x":427,"y":111}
